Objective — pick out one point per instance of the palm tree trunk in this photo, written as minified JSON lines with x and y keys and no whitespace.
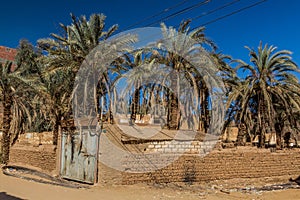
{"x":200,"y":124}
{"x":279,"y":127}
{"x":7,"y":103}
{"x":56,"y":130}
{"x":241,"y":134}
{"x":134,"y":105}
{"x":173,"y":112}
{"x":173,"y":108}
{"x":262,"y":120}
{"x":204,"y":112}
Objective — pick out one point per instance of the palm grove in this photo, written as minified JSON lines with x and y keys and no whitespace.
{"x":37,"y":94}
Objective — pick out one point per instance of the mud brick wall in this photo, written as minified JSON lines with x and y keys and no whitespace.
{"x":43,"y":158}
{"x":225,"y":164}
{"x":174,"y":146}
{"x":36,"y":139}
{"x":108,"y":176}
{"x":7,"y":54}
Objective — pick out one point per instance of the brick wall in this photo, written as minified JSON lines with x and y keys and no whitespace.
{"x":35,"y":149}
{"x":43,"y":157}
{"x":173,"y":146}
{"x":164,"y":161}
{"x":35,"y":139}
{"x":7,"y":53}
{"x":164,"y":166}
{"x":225,"y":164}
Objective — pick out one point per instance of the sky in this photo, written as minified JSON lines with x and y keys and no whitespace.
{"x":275,"y":22}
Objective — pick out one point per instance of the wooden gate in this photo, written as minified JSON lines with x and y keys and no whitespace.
{"x":79,"y":156}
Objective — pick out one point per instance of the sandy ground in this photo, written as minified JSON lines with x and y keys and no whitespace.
{"x":12,"y":188}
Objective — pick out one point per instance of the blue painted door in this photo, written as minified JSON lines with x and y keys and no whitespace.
{"x":79,"y":156}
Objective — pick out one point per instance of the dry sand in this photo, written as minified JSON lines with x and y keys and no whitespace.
{"x":12,"y":188}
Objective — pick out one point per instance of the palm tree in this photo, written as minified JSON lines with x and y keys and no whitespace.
{"x":28,"y":57}
{"x":6,"y":91}
{"x":82,"y":41}
{"x":54,"y":88}
{"x":182,"y":45}
{"x":69,"y":49}
{"x":15,"y":92}
{"x":66,"y":53}
{"x":230,"y":80}
{"x":269,"y":80}
{"x":49,"y":88}
{"x":19,"y":95}
{"x":137,"y":69}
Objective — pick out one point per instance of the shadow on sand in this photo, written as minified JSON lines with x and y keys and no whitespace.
{"x":4,"y":196}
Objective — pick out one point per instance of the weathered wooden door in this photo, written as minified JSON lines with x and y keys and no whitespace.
{"x":79,"y":155}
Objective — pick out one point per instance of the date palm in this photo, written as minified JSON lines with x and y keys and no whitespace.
{"x":137,"y":70}
{"x":182,"y":45}
{"x":15,"y":92}
{"x":69,"y":49}
{"x":66,"y":53}
{"x":269,"y":80}
{"x":81,"y":41}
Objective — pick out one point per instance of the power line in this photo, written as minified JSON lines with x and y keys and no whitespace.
{"x":224,"y":16}
{"x":157,"y":14}
{"x":179,"y":12}
{"x":233,"y":13}
{"x":219,"y":18}
{"x":215,"y":10}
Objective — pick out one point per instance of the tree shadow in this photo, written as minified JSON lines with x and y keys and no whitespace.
{"x":4,"y":196}
{"x":296,"y":180}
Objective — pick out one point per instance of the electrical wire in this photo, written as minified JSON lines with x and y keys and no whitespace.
{"x":179,"y":12}
{"x":215,"y":10}
{"x":156,"y":15}
{"x":219,"y":18}
{"x":233,"y":13}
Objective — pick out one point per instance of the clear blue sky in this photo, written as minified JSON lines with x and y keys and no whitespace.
{"x":274,"y":22}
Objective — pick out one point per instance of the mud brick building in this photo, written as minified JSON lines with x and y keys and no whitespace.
{"x":7,"y":54}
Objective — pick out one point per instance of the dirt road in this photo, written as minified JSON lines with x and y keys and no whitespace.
{"x":12,"y":188}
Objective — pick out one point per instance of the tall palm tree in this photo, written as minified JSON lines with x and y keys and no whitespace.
{"x":54,"y":89}
{"x":69,"y":49}
{"x":28,"y":57}
{"x":182,"y":45}
{"x":49,"y":88}
{"x":66,"y":53}
{"x":230,"y":80}
{"x":137,"y":69}
{"x":15,"y":92}
{"x":269,"y":80}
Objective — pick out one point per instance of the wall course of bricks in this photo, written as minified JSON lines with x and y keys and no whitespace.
{"x":43,"y":157}
{"x":216,"y":166}
{"x":190,"y":166}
